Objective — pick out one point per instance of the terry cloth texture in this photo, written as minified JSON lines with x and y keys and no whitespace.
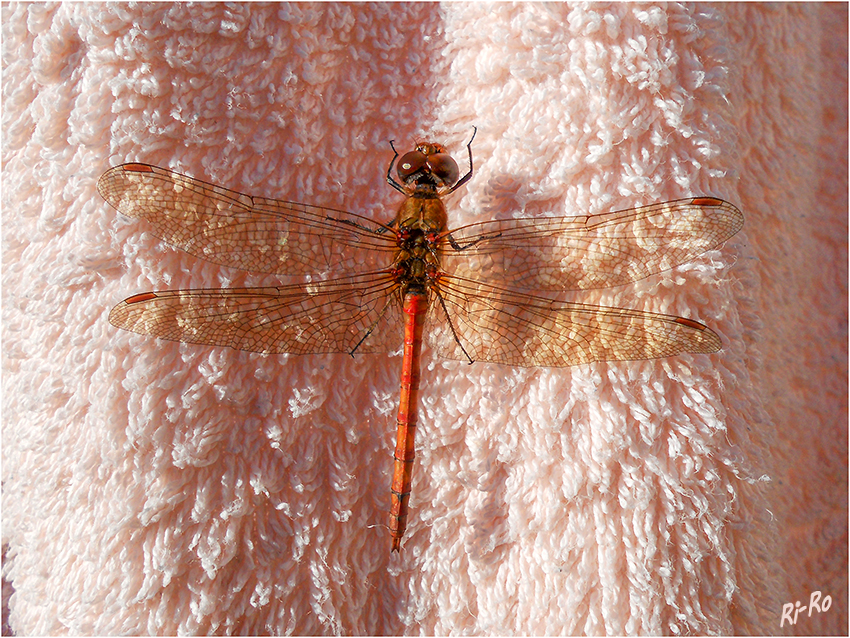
{"x":159,"y":487}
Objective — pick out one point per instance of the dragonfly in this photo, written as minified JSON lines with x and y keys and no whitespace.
{"x":373,"y":287}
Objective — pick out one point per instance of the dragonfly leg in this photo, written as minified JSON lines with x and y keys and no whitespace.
{"x":457,"y":246}
{"x":390,"y":179}
{"x":380,"y":230}
{"x":390,"y":299}
{"x":451,"y":325}
{"x":463,"y":180}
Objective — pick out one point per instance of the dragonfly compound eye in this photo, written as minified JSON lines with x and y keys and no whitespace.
{"x":411,"y":163}
{"x":444,"y":167}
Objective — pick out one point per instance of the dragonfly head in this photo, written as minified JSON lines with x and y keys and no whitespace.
{"x":428,"y":165}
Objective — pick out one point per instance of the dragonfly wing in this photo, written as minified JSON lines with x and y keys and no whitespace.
{"x":240,"y":231}
{"x":326,"y":316}
{"x":499,"y":326}
{"x":596,"y":251}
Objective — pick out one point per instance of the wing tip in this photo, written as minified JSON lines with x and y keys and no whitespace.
{"x":734,"y":214}
{"x":704,"y":340}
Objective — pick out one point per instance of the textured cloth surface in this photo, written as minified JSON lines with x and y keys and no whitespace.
{"x":157,"y":487}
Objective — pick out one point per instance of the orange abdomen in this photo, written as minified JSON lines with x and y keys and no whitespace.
{"x":415,"y":307}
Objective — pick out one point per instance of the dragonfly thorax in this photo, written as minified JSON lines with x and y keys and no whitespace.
{"x":421,"y":213}
{"x":417,"y":258}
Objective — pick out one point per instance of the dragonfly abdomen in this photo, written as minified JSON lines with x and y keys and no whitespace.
{"x":415,"y":308}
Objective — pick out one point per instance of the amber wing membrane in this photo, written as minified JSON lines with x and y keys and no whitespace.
{"x":470,"y":318}
{"x":327,"y":316}
{"x":597,"y":251}
{"x":240,"y":231}
{"x":484,"y":323}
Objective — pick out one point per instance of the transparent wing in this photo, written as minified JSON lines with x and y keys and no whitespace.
{"x":328,"y":316}
{"x":240,"y":231}
{"x":596,"y":251}
{"x":499,"y":326}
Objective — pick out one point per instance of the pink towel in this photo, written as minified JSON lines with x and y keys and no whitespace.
{"x":152,"y":487}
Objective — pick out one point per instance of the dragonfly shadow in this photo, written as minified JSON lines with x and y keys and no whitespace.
{"x":489,"y":518}
{"x":507,"y":196}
